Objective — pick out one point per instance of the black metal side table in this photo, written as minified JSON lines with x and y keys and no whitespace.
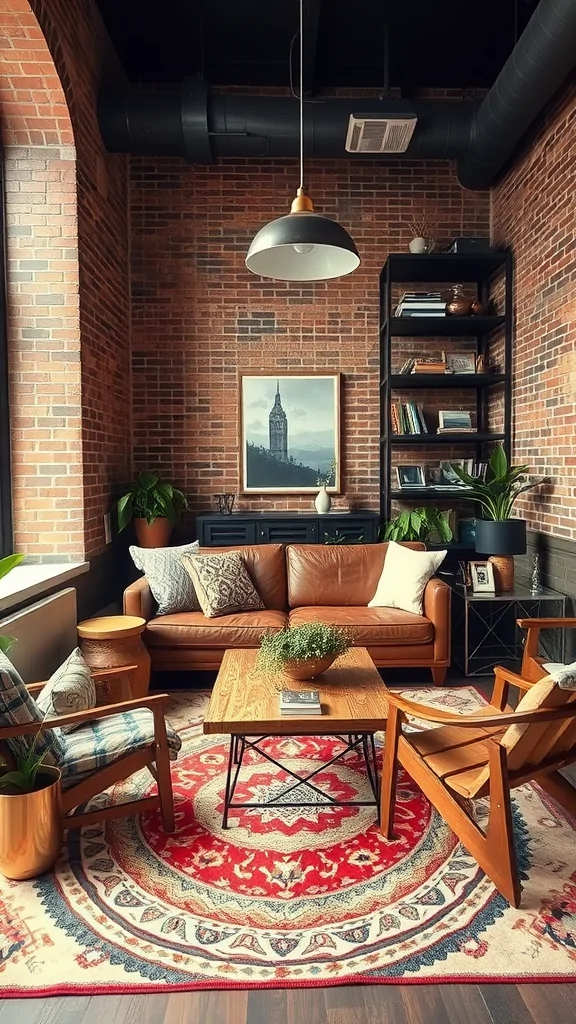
{"x":484,"y":630}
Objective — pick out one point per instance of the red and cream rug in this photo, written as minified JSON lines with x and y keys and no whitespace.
{"x":311,"y":896}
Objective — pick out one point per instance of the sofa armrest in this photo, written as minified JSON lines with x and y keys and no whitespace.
{"x":138,"y":600}
{"x":437,"y":598}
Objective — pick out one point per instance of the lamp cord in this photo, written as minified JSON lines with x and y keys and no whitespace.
{"x":301,"y":94}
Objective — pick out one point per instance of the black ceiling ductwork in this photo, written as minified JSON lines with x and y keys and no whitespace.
{"x":200,"y":125}
{"x":542,"y":58}
{"x":194,"y":122}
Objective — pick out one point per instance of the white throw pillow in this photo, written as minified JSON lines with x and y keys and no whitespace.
{"x":563,"y":675}
{"x":404,"y":577}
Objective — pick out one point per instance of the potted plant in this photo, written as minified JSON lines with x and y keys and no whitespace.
{"x":497,"y":534}
{"x":30,"y":816}
{"x":154,"y":506}
{"x":417,"y":524}
{"x":302,"y":652}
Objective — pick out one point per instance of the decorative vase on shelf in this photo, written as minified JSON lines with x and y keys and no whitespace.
{"x":478,"y":308}
{"x":458,"y":305}
{"x":418,"y":245}
{"x":322,"y":501}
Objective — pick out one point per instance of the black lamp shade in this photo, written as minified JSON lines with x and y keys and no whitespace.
{"x":501,"y":538}
{"x":302,"y":247}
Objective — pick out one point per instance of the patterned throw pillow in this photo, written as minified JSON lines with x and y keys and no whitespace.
{"x":222,"y":584}
{"x":17,"y":707}
{"x":172,"y":587}
{"x":69,"y":689}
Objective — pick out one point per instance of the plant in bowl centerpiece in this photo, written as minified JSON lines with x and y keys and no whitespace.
{"x":30,"y":815}
{"x":417,"y":524}
{"x":302,"y":652}
{"x":155,"y":507}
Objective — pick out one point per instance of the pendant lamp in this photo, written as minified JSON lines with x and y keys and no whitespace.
{"x":302,"y":246}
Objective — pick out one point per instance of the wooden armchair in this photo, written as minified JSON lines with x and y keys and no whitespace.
{"x":484,"y":754}
{"x":531,"y":662}
{"x":133,"y":743}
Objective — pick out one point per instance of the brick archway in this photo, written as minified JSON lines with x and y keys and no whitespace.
{"x":43,"y":292}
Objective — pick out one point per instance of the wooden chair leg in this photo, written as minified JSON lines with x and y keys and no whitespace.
{"x":389,"y":773}
{"x":500,"y":862}
{"x":438,"y":675}
{"x":163,"y":771}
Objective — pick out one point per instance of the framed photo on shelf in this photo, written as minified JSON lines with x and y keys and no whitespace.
{"x":460,"y":362}
{"x":455,"y":419}
{"x":482,"y":578}
{"x":410,"y":476}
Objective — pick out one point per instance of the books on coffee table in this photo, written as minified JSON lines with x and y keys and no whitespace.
{"x":305,"y":702}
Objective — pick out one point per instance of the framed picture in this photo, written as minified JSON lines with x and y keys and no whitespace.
{"x":482,"y":577}
{"x":455,"y":419}
{"x":410,"y":476}
{"x":447,"y":477}
{"x":289,"y":433}
{"x":460,"y":362}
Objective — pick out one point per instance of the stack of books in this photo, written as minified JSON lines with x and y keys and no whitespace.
{"x":455,"y":421}
{"x":305,"y":702}
{"x":421,"y":304}
{"x":417,"y":365}
{"x":408,"y":418}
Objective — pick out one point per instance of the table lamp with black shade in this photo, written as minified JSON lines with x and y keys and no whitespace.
{"x":501,"y":540}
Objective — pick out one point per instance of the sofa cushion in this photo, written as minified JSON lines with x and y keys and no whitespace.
{"x":171,"y":586}
{"x":266,"y":567}
{"x":193,"y":629}
{"x":404,"y":578}
{"x":223,"y":584}
{"x":370,"y":626}
{"x":335,"y":574}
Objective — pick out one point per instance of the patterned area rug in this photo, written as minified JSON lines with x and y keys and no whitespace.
{"x":310,"y":896}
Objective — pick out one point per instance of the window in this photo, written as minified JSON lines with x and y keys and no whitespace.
{"x":5,"y":485}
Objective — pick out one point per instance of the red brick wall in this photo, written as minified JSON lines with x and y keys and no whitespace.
{"x":533,"y":212}
{"x":199,"y":317}
{"x":72,"y":443}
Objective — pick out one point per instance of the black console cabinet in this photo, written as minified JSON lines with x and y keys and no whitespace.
{"x":214,"y":530}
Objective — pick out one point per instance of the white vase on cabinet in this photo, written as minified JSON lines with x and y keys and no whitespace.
{"x":322,"y":501}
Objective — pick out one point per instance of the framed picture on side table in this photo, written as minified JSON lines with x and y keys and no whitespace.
{"x":482,"y":577}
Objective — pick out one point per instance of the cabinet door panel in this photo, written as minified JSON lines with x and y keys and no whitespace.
{"x":344,"y":531}
{"x":287,"y":531}
{"x":226,"y":531}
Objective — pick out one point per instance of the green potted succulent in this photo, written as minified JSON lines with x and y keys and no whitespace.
{"x":302,"y":652}
{"x":154,"y":506}
{"x":417,"y":524}
{"x":30,"y":815}
{"x":6,"y":565}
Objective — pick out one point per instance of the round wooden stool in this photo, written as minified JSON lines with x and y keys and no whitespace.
{"x":112,"y":641}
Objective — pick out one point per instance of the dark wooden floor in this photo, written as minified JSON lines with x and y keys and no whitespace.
{"x":372,"y":1004}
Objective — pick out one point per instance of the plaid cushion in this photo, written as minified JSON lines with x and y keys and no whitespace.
{"x":17,"y":707}
{"x":100,"y":743}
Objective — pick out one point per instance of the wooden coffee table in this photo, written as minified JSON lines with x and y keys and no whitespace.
{"x":245,"y":705}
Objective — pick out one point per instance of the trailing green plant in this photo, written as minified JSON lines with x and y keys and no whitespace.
{"x":6,"y":565}
{"x":23,"y":777}
{"x":501,"y":487}
{"x":301,"y":643}
{"x":150,"y":498}
{"x":417,"y":524}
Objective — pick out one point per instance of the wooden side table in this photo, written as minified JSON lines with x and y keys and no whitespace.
{"x":110,"y":642}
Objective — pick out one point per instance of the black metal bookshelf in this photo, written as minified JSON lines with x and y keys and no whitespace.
{"x":483,"y":270}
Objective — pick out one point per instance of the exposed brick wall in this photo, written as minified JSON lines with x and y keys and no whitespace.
{"x":199,"y":317}
{"x":533,"y":212}
{"x":84,"y":404}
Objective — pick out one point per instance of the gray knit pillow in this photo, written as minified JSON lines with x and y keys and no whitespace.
{"x":70,"y":688}
{"x":223,"y":583}
{"x":172,"y":587}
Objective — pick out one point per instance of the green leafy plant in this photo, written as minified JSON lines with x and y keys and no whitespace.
{"x":417,"y":524}
{"x":328,"y":478}
{"x":501,"y":487}
{"x":150,"y":498}
{"x":301,"y":643}
{"x":23,"y":777}
{"x":6,"y":565}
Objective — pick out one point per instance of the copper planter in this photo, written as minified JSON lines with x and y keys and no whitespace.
{"x":31,"y":829}
{"x":157,"y":535}
{"x":309,"y":669}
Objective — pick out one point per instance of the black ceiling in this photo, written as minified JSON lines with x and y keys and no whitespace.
{"x":432,"y":43}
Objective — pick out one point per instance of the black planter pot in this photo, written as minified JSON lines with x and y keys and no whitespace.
{"x":501,"y":538}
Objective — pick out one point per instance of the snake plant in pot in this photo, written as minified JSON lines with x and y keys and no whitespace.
{"x":497,"y":533}
{"x":154,"y":506}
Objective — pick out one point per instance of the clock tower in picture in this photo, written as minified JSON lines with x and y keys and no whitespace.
{"x":278,"y":427}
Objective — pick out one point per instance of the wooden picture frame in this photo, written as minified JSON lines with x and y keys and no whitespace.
{"x":289,"y":432}
{"x":482,"y":578}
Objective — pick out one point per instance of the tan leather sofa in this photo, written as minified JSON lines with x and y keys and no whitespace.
{"x":298,"y":583}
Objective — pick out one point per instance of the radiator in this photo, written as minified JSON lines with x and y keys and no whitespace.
{"x":45,"y":634}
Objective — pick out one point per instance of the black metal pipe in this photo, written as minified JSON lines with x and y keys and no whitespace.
{"x":541,"y":60}
{"x":199,"y":125}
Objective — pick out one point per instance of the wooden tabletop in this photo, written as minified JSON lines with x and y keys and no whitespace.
{"x":246,"y":703}
{"x":107,"y":627}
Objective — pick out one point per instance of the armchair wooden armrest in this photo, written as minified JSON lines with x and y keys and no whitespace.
{"x":96,"y":673}
{"x":550,"y":623}
{"x":154,"y":703}
{"x":503,"y":718}
{"x":531,"y":662}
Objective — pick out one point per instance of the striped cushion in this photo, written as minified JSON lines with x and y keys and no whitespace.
{"x":17,"y":707}
{"x":69,"y":689}
{"x":100,"y":743}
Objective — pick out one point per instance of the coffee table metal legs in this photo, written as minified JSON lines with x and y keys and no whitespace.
{"x":358,"y":742}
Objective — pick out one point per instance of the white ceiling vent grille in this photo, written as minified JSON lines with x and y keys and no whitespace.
{"x":379,"y":134}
